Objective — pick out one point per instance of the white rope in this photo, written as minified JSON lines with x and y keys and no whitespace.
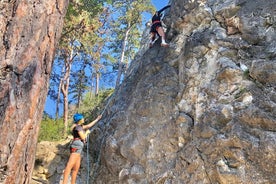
{"x":87,"y":156}
{"x":87,"y":144}
{"x":107,"y":104}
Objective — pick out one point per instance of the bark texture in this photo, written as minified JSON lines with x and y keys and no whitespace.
{"x":30,"y":30}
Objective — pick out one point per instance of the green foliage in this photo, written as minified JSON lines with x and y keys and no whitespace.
{"x":127,"y":24}
{"x":79,"y":83}
{"x":241,"y":92}
{"x":93,"y":105}
{"x":50,"y":129}
{"x":81,"y":22}
{"x":95,"y":34}
{"x":246,"y":74}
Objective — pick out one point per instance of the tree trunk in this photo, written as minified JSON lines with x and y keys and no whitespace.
{"x":120,"y":70}
{"x":65,"y":90}
{"x":98,"y":67}
{"x":29,"y":34}
{"x":58,"y":99}
{"x":91,"y":87}
{"x":97,"y":89}
{"x":65,"y":114}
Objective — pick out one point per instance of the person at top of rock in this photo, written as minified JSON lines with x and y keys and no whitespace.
{"x":80,"y":133}
{"x":156,"y":27}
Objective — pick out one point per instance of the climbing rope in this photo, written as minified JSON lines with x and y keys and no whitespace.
{"x":87,"y":157}
{"x":87,"y":144}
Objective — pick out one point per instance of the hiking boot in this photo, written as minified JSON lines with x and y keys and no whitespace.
{"x":164,"y":45}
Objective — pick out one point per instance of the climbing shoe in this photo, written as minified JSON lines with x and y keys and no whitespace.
{"x":164,"y":45}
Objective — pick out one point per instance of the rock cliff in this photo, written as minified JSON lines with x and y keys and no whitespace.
{"x":202,"y":110}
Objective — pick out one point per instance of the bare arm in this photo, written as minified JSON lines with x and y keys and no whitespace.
{"x":82,"y":135}
{"x":88,"y":126}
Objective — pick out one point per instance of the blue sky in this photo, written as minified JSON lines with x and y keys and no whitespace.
{"x":160,"y":3}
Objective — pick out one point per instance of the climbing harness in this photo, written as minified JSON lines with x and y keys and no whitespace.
{"x":73,"y":150}
{"x":157,"y":21}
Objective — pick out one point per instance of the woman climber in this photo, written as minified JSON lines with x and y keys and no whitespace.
{"x":80,"y":132}
{"x":156,"y":28}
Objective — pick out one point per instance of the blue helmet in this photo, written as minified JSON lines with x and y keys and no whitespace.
{"x":77,"y":117}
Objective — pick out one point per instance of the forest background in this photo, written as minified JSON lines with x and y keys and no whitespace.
{"x":99,"y":40}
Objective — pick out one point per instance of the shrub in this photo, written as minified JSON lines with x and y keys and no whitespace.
{"x":51,"y":130}
{"x":91,"y":107}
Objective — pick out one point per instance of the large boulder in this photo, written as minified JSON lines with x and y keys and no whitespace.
{"x":202,"y":110}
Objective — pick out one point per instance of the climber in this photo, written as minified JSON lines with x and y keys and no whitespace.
{"x":80,"y":132}
{"x":156,"y":28}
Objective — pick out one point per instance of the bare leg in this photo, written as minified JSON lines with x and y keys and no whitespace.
{"x":71,"y":164}
{"x":75,"y":168}
{"x":152,"y":38}
{"x":68,"y":168}
{"x":162,"y":34}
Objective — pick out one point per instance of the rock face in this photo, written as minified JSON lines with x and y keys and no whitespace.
{"x":203,"y":110}
{"x":29,"y":34}
{"x":200,"y":112}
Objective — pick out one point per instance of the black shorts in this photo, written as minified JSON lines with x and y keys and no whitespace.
{"x":154,"y":27}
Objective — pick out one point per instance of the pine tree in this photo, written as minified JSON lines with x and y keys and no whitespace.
{"x":127,"y":30}
{"x":79,"y":36}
